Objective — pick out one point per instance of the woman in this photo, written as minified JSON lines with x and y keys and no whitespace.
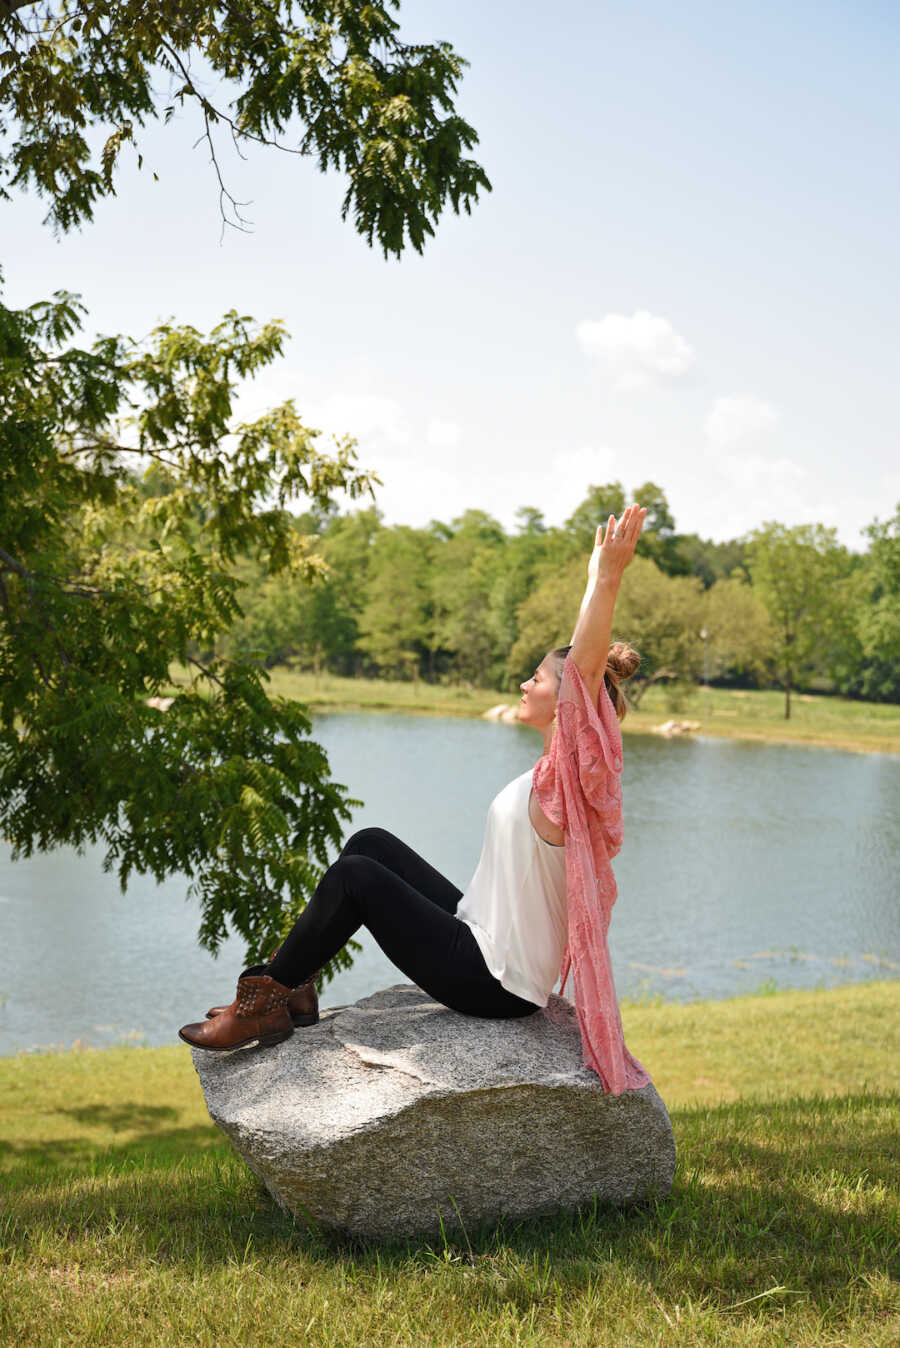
{"x":541,"y":896}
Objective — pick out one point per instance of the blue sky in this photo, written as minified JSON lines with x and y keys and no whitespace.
{"x":687,"y":270}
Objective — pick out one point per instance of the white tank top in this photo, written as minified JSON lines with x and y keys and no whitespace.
{"x":516,"y":900}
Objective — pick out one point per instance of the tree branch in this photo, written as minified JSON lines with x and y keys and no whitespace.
{"x":11,"y":563}
{"x":207,"y":673}
{"x":154,"y":454}
{"x":210,"y":114}
{"x":65,"y":584}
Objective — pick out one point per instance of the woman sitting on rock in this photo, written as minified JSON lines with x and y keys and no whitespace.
{"x":541,"y":897}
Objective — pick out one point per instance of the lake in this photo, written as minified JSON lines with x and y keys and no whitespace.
{"x":744,"y":865}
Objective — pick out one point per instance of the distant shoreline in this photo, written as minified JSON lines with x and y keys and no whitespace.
{"x":737,"y":714}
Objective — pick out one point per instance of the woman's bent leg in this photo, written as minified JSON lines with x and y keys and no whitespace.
{"x":396,"y":856}
{"x":432,"y":946}
{"x":400,"y":858}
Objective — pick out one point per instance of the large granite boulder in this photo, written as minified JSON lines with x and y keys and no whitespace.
{"x":395,"y":1115}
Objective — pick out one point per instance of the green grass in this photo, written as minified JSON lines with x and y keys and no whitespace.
{"x":330,"y":692}
{"x":829,"y":722}
{"x":832,"y":722}
{"x":127,"y":1219}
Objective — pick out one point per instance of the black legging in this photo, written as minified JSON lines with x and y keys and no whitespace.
{"x":409,"y":908}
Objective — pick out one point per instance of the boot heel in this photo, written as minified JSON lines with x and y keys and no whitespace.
{"x":300,"y":1020}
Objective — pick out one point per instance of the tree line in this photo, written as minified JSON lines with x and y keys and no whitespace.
{"x":469,"y":602}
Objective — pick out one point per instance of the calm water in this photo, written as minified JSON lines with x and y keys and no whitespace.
{"x":742,"y":864}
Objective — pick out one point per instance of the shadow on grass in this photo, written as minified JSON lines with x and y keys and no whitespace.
{"x":119,"y":1117}
{"x":151,"y":1141}
{"x":784,"y":1195}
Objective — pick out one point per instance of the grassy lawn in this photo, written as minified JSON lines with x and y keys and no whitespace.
{"x":330,"y":692}
{"x":833,"y":722}
{"x":127,"y":1219}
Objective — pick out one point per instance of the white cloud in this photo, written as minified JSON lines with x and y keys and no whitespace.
{"x":776,"y":491}
{"x":372,"y":418}
{"x":752,"y":472}
{"x":637,"y":351}
{"x":738,"y":422}
{"x":746,"y":484}
{"x":442,"y":434}
{"x":417,"y":490}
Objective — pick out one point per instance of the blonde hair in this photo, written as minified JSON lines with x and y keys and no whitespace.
{"x":621,"y":662}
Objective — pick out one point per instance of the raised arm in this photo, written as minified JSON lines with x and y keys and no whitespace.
{"x":611,"y":555}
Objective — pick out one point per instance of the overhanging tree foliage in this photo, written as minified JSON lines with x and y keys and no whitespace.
{"x":330,"y":79}
{"x":111,"y":571}
{"x":106,"y":581}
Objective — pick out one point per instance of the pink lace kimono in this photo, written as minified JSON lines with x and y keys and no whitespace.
{"x":578,"y":786}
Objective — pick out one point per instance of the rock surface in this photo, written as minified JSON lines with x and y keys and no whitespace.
{"x":670,"y":728}
{"x":502,"y":712}
{"x":396,"y":1114}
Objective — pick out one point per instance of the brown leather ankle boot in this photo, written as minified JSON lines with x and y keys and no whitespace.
{"x":302,"y":1004}
{"x":258,"y":1016}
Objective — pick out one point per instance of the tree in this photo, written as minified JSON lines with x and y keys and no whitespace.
{"x":662,"y":616}
{"x":799,"y":573}
{"x":658,"y":539}
{"x":395,"y":621}
{"x":347,"y":548}
{"x":530,"y":520}
{"x":597,"y":506}
{"x":739,"y":631}
{"x":369,"y":105}
{"x":546,"y":618}
{"x":107,"y":581}
{"x":465,"y":569}
{"x":287,"y":618}
{"x":875,"y":672}
{"x":108,"y":577}
{"x":713,"y":561}
{"x":659,"y":519}
{"x":528,"y":557}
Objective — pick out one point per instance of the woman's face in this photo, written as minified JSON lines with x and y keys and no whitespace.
{"x":539,"y":694}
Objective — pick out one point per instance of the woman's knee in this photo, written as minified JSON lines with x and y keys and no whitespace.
{"x":368,"y":842}
{"x":353,"y":874}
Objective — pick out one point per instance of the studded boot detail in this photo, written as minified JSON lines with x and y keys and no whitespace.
{"x":302,"y":1004}
{"x":258,"y":1016}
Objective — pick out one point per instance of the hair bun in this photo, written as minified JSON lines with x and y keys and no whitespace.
{"x":623,"y":660}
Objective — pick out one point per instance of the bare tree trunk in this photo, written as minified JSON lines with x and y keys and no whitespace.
{"x":788,"y":671}
{"x":638,"y":687}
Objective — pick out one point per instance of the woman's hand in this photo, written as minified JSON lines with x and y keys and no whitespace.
{"x":611,"y":555}
{"x":614,"y":551}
